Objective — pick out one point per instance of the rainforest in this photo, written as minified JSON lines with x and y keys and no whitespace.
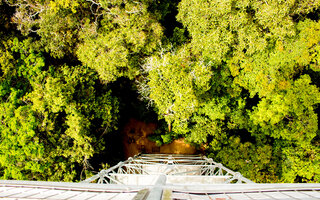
{"x":237,"y":79}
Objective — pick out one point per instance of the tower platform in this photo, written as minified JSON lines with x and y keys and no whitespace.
{"x":160,"y":177}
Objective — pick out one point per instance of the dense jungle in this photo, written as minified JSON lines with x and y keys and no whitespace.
{"x":237,"y":79}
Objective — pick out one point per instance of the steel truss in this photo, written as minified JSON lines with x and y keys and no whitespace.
{"x":145,"y":169}
{"x":10,"y":189}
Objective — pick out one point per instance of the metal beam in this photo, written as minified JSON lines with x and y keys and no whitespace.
{"x":170,"y":165}
{"x":156,"y":191}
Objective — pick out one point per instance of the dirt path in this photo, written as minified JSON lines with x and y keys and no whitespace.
{"x":135,"y":140}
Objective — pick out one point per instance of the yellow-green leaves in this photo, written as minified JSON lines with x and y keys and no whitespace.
{"x":58,"y":32}
{"x":56,"y":5}
{"x":256,"y":162}
{"x":48,"y":120}
{"x":301,"y":162}
{"x":290,"y":114}
{"x":116,"y":49}
{"x":309,"y":40}
{"x":170,"y":81}
{"x":20,"y":152}
{"x":240,"y":80}
{"x":77,"y":135}
{"x":221,"y":27}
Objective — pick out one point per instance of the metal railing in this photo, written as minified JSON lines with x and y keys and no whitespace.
{"x":169,"y":165}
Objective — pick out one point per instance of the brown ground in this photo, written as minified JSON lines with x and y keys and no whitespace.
{"x":135,"y":140}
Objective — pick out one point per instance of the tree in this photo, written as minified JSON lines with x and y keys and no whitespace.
{"x":243,"y":70}
{"x":127,"y":32}
{"x":236,"y":78}
{"x":52,"y":118}
{"x":56,"y":23}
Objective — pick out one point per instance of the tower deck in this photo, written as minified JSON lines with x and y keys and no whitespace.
{"x":160,"y":177}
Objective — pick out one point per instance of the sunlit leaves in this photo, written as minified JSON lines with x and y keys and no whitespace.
{"x":309,"y":39}
{"x":48,"y":116}
{"x":219,"y":28}
{"x":127,"y":33}
{"x":254,"y":161}
{"x":301,"y":163}
{"x":58,"y":32}
{"x":20,"y":150}
{"x":170,"y":81}
{"x":54,"y":21}
{"x":290,"y":114}
{"x":56,"y":5}
{"x":236,"y":78}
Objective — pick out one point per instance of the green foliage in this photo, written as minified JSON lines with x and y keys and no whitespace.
{"x":171,"y":87}
{"x":127,"y":32}
{"x":243,"y":69}
{"x":242,"y":27}
{"x":57,"y":5}
{"x":21,"y":153}
{"x":53,"y":21}
{"x":254,"y":161}
{"x":58,"y":32}
{"x":161,"y":139}
{"x":301,"y":163}
{"x":236,"y":78}
{"x":48,"y":118}
{"x":290,"y":115}
{"x":162,"y":135}
{"x":156,"y":138}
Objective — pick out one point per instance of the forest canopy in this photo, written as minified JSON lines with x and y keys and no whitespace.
{"x":238,"y":79}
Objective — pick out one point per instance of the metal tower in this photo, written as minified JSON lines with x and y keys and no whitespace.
{"x":160,"y":177}
{"x":146,"y":169}
{"x":161,"y":170}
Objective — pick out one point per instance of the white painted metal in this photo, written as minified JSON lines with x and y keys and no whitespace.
{"x":159,"y":177}
{"x":179,"y":169}
{"x":60,"y":190}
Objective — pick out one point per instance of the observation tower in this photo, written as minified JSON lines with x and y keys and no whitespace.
{"x":160,"y":177}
